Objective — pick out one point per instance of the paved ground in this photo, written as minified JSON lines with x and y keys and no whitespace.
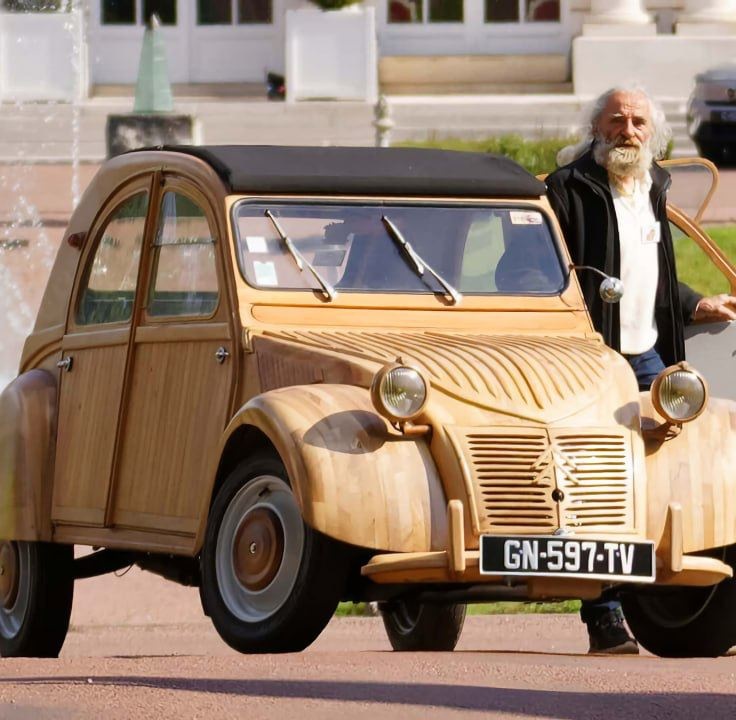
{"x":140,"y":648}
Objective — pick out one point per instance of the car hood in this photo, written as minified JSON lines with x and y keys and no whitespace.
{"x":530,"y":376}
{"x":720,"y":73}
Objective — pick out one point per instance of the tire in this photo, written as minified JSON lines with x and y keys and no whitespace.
{"x":282,"y":598}
{"x":685,"y":621}
{"x":717,"y":153}
{"x":412,"y":626}
{"x":36,"y":591}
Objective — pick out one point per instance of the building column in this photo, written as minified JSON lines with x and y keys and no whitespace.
{"x":616,"y":17}
{"x":707,"y":17}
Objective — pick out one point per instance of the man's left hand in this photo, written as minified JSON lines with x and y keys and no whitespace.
{"x":716,"y":308}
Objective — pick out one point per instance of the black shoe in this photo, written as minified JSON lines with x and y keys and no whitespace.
{"x":608,"y":635}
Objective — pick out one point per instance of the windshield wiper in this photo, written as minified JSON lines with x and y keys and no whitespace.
{"x":418,"y":263}
{"x":300,"y":260}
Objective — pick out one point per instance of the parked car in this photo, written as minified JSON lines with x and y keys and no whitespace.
{"x":294,"y":376}
{"x":711,"y":114}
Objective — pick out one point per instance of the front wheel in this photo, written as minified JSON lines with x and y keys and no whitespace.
{"x":415,"y":626}
{"x":685,"y":621}
{"x":270,"y":583}
{"x":36,"y":590}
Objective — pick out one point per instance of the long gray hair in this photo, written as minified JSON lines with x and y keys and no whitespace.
{"x":661,"y":131}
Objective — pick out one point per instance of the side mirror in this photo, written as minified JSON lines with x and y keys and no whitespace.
{"x":611,"y":290}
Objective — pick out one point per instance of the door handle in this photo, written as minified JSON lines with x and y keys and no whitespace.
{"x":66,"y":363}
{"x":222,"y":354}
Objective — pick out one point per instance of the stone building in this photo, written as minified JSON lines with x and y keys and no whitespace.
{"x":418,"y":46}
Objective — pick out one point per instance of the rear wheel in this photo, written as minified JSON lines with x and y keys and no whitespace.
{"x":36,"y":590}
{"x":270,"y":583}
{"x":685,"y":621}
{"x":415,"y":626}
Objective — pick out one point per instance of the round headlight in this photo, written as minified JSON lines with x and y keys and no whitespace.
{"x":399,"y":392}
{"x":679,"y":394}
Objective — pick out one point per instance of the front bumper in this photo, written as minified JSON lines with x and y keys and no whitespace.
{"x":458,"y":565}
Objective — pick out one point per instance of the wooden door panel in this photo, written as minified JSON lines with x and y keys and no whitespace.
{"x":88,"y":416}
{"x":178,"y":402}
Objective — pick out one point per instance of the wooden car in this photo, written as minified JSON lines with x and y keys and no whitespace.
{"x":294,"y":376}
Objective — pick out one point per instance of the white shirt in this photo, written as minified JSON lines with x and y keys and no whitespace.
{"x":639,"y":237}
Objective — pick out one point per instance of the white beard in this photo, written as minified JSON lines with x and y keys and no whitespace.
{"x":623,"y":161}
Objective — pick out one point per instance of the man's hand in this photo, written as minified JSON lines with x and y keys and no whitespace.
{"x":717,"y":307}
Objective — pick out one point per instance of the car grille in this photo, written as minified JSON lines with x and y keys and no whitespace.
{"x":536,"y":480}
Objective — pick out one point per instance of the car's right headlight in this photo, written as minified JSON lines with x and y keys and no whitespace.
{"x":679,"y":393}
{"x":399,"y":392}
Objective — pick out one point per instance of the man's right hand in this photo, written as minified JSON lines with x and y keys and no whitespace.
{"x":716,"y":308}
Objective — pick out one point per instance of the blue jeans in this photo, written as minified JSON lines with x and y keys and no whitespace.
{"x":646,"y":367}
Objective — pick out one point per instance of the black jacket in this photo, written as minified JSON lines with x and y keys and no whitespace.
{"x":581,"y":198}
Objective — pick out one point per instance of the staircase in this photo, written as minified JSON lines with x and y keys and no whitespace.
{"x":473,"y":74}
{"x":56,"y":132}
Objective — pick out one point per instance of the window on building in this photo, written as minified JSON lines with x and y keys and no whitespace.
{"x":214,"y":12}
{"x":118,"y":12}
{"x":165,"y":9}
{"x":255,"y":12}
{"x":222,"y":12}
{"x":128,"y":12}
{"x":420,"y":11}
{"x":498,"y":11}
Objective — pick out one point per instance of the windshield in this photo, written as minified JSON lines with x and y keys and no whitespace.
{"x":355,"y":248}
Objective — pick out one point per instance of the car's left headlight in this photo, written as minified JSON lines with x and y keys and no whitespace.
{"x":679,"y":393}
{"x":399,"y":392}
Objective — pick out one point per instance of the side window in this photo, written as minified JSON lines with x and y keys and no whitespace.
{"x":694,"y":267}
{"x":184,"y":280}
{"x":109,"y":290}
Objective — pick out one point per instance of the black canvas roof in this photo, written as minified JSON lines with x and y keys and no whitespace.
{"x":365,"y":171}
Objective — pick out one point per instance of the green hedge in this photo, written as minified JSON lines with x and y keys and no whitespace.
{"x":537,"y":156}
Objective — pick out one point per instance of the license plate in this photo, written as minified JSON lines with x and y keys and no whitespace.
{"x":724,"y":116}
{"x":563,"y":557}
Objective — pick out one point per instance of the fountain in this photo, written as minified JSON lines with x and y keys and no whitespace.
{"x":152,"y":121}
{"x":32,"y":217}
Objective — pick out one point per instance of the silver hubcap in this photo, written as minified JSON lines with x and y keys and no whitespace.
{"x":14,"y":586}
{"x":259,"y":549}
{"x":406,"y":615}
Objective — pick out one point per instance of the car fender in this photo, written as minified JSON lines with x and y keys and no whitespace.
{"x":355,"y":478}
{"x":27,"y":414}
{"x":694,"y":468}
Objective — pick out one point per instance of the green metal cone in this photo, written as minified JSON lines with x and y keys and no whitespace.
{"x":153,"y":89}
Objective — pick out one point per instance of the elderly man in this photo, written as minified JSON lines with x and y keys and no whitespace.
{"x":611,"y":203}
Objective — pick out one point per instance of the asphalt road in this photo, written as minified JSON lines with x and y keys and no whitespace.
{"x":140,"y":647}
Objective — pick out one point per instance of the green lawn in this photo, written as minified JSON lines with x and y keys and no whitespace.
{"x":498,"y":608}
{"x":693,"y":266}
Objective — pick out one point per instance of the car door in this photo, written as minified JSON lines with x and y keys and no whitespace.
{"x":95,"y":356}
{"x":181,"y":381}
{"x":705,"y":267}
